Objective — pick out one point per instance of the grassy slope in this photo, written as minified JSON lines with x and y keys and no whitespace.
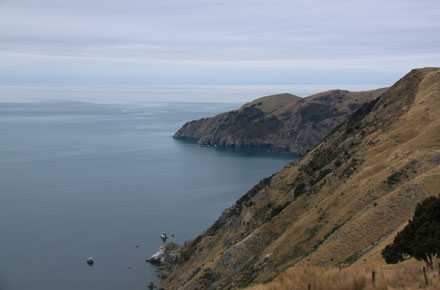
{"x":272,"y":103}
{"x":338,"y":205}
{"x":403,"y":276}
{"x":340,"y":98}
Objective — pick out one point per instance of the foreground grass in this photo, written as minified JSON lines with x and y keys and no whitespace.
{"x":354,"y":278}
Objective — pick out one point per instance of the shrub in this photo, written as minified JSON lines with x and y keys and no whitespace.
{"x":420,"y":238}
{"x":396,"y":177}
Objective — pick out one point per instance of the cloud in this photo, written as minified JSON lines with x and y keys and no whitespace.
{"x":199,"y":37}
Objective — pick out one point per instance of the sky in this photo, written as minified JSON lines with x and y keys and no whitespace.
{"x":216,"y":41}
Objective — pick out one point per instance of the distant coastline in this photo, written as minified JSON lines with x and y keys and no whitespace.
{"x":282,"y":121}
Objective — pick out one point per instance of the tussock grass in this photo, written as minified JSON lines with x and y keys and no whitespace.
{"x":353,"y":278}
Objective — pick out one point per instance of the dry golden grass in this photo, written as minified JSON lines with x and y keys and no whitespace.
{"x":408,"y":276}
{"x":344,"y":218}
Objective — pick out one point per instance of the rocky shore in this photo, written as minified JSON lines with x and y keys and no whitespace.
{"x":169,"y":253}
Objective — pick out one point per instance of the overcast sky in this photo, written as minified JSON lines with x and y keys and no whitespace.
{"x":215,"y":42}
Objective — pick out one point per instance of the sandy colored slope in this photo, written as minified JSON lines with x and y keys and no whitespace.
{"x":340,"y":204}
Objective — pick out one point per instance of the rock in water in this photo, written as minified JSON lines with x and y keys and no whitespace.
{"x":158,"y":257}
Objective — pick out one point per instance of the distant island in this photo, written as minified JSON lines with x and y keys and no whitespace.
{"x":336,"y":207}
{"x":282,"y":121}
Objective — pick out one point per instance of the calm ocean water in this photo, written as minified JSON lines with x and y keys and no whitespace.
{"x":80,"y":179}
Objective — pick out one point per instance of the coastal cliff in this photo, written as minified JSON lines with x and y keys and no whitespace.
{"x":282,"y":121}
{"x":339,"y":204}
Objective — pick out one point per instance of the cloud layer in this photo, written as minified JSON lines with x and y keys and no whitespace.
{"x":213,"y":41}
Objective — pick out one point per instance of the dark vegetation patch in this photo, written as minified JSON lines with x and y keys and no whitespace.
{"x":316,"y":113}
{"x":259,"y":128}
{"x":286,"y":115}
{"x":351,"y":168}
{"x":314,"y":171}
{"x":396,"y":177}
{"x":186,"y":252}
{"x":323,"y":173}
{"x":355,"y":119}
{"x":279,"y":208}
{"x":251,"y":123}
{"x":240,"y":120}
{"x":338,"y":95}
{"x":223,"y":126}
{"x":322,"y":217}
{"x":354,"y":106}
{"x":215,"y":227}
{"x":320,"y":160}
{"x":209,"y":276}
{"x":261,"y":214}
{"x":300,"y":189}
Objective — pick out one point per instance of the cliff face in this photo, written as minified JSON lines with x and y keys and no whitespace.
{"x":282,"y":121}
{"x":339,"y":204}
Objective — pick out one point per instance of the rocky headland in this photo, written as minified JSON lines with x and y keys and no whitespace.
{"x":281,"y":121}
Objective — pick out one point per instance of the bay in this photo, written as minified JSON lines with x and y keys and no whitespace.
{"x":82,"y":179}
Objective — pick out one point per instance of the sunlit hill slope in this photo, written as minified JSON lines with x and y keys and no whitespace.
{"x":338,"y":205}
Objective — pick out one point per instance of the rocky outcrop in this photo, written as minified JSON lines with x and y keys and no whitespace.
{"x":169,"y":253}
{"x":338,"y":205}
{"x":281,"y":121}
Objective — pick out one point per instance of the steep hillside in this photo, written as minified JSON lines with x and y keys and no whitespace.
{"x":337,"y":205}
{"x":282,"y":121}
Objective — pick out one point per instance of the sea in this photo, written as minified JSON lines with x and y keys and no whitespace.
{"x":93,"y":171}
